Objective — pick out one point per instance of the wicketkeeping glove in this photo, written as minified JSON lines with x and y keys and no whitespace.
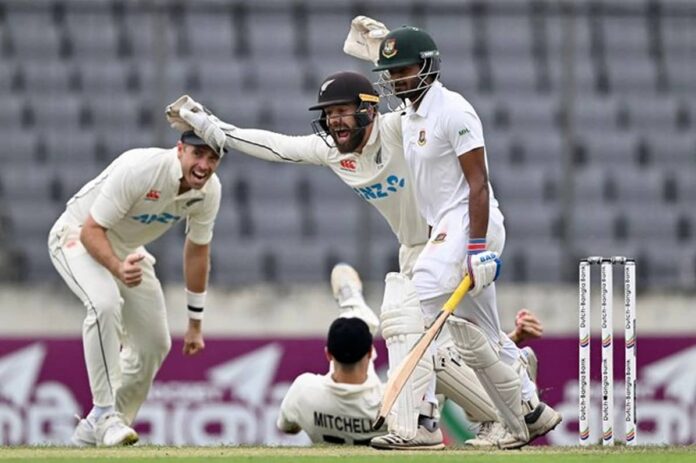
{"x":364,"y":38}
{"x":172,"y":113}
{"x":483,"y":266}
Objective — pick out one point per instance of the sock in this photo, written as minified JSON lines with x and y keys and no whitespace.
{"x":97,"y":412}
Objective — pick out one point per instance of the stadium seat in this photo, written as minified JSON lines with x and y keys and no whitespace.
{"x":92,"y":33}
{"x":12,"y":115}
{"x":46,"y":77}
{"x":20,"y":147}
{"x":209,"y":34}
{"x":509,"y":37}
{"x":612,"y":148}
{"x":236,"y":264}
{"x":591,"y":113}
{"x":33,"y":32}
{"x":58,"y":112}
{"x":74,"y":148}
{"x":104,"y":77}
{"x":323,"y":38}
{"x":271,"y":34}
{"x":592,"y":221}
{"x":150,"y":34}
{"x":529,"y":219}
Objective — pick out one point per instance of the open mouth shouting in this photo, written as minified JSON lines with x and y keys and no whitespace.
{"x":199,"y":176}
{"x":342,"y":135}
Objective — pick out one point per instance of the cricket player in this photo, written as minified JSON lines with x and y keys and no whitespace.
{"x":364,"y":149}
{"x":339,"y":407}
{"x":97,"y":246}
{"x":446,"y":156}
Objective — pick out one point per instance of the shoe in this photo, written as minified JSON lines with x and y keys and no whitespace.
{"x":84,"y":433}
{"x":347,"y":290}
{"x":541,"y":420}
{"x":112,"y":430}
{"x":488,"y":435}
{"x":532,"y":363}
{"x":424,"y":440}
{"x":345,"y":283}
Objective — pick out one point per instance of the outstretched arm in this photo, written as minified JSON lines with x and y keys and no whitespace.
{"x":187,"y":114}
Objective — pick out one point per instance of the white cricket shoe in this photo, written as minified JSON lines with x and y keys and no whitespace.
{"x":488,"y":435}
{"x":345,"y":283}
{"x":347,"y":290}
{"x":112,"y":430}
{"x":539,"y":421}
{"x":424,"y":440}
{"x":84,"y":434}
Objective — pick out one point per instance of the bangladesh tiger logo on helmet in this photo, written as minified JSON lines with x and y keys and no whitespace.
{"x":389,"y":49}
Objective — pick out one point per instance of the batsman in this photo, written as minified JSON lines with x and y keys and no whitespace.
{"x":351,"y":129}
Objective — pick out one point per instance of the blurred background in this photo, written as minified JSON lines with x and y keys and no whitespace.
{"x":588,"y":108}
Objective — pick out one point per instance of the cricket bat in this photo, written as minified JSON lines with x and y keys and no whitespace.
{"x":398,"y":379}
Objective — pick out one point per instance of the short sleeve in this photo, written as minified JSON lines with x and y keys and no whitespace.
{"x":116,"y":197}
{"x":463,"y":130}
{"x":288,"y":416}
{"x":200,"y":223}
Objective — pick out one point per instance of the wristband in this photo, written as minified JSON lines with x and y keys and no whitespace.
{"x":195,"y":303}
{"x":476,"y":245}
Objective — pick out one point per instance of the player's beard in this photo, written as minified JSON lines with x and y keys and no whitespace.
{"x":352,"y":143}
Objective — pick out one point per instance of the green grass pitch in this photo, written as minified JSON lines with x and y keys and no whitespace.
{"x":346,"y":455}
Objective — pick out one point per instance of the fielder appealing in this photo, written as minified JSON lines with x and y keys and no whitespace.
{"x":352,"y":130}
{"x":338,"y":407}
{"x":445,"y":152}
{"x":97,"y":246}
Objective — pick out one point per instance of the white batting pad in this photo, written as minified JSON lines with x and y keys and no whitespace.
{"x":458,"y":382}
{"x":500,"y":380}
{"x":402,"y":325}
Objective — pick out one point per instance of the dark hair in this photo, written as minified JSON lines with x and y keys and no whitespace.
{"x":349,"y":340}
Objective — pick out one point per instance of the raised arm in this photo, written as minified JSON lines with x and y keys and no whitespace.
{"x":187,"y":114}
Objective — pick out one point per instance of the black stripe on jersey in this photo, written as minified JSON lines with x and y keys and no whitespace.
{"x":66,"y":267}
{"x":264,"y":147}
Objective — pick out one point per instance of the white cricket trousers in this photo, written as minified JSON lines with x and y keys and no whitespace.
{"x":439,"y":270}
{"x":125,"y":334}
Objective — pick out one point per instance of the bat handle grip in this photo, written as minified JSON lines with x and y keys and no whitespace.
{"x":457,"y":295}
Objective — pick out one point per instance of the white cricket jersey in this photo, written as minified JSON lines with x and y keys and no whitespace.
{"x":331,"y":412}
{"x":444,"y":127}
{"x":136,"y":199}
{"x":379,"y":174}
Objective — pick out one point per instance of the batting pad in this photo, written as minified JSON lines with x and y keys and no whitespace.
{"x":501,"y":381}
{"x":402,"y":326}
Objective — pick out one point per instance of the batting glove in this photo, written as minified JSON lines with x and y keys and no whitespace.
{"x":364,"y":38}
{"x":483,"y":266}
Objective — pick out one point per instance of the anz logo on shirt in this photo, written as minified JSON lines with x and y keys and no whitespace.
{"x":381,"y":190}
{"x":164,"y":217}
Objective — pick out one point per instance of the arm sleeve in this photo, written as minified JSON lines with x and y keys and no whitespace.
{"x":199,"y":224}
{"x":271,"y":146}
{"x":118,"y":194}
{"x":288,"y":416}
{"x":463,"y":130}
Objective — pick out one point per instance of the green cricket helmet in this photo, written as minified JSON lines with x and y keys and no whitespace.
{"x":403,"y":47}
